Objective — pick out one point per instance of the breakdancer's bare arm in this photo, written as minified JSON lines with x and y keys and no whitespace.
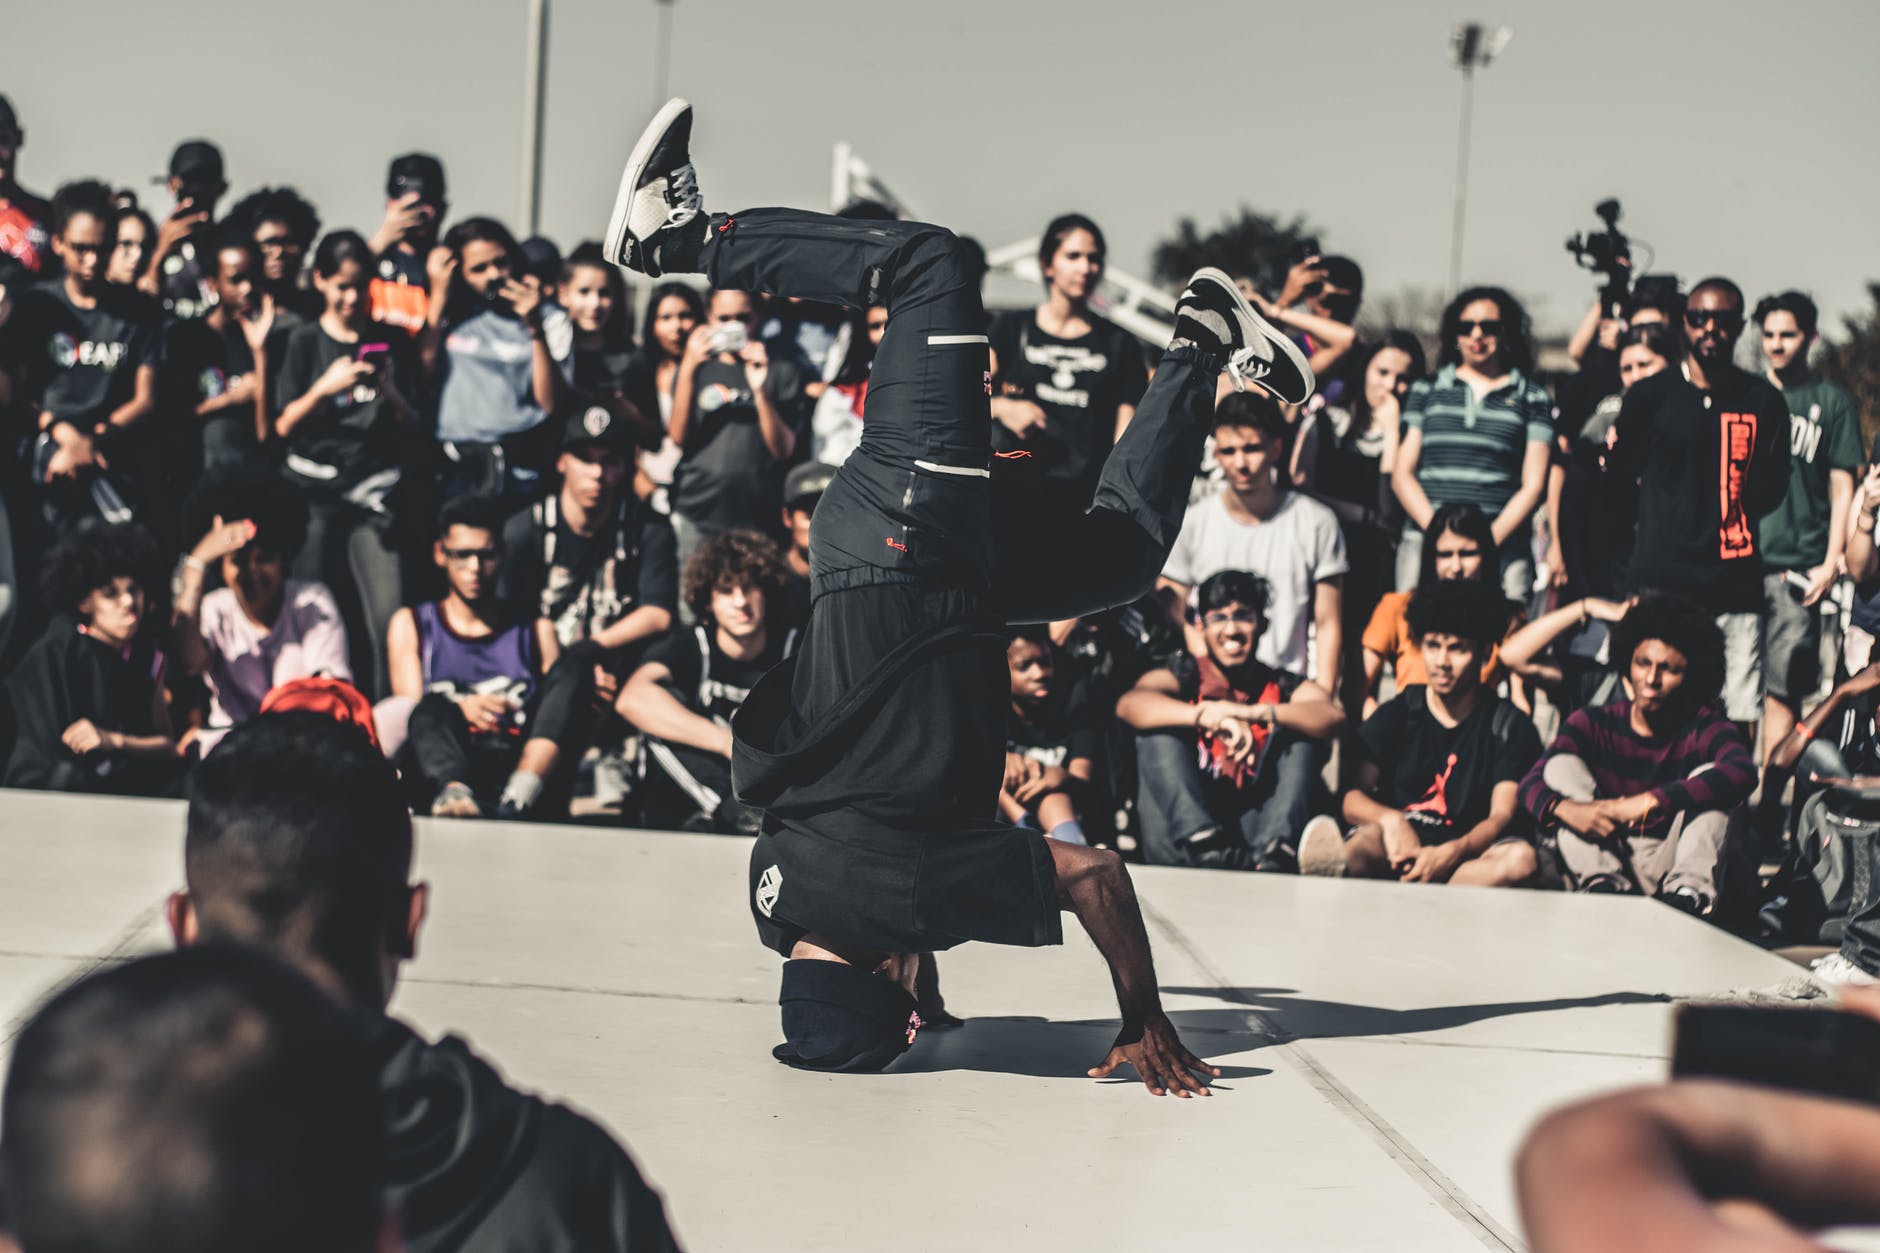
{"x":1094,"y":884}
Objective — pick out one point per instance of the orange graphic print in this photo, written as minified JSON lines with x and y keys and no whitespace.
{"x":1736,"y":534}
{"x":1434,"y":802}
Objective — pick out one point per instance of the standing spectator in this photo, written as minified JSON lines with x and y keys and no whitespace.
{"x":594,"y":295}
{"x":802,"y":489}
{"x":343,"y":388}
{"x":684,"y":693}
{"x":1480,"y":433}
{"x":1646,"y":794}
{"x":472,"y":664}
{"x":260,"y":629}
{"x":414,"y":214}
{"x":284,"y":227}
{"x":88,"y":355}
{"x":136,"y":236}
{"x":87,"y":699}
{"x":500,"y":357}
{"x":1065,"y":380}
{"x":176,"y":275}
{"x":672,"y":314}
{"x":218,"y":369}
{"x":1457,"y":545}
{"x":25,"y":219}
{"x":1802,"y":538}
{"x":1053,"y":741}
{"x":728,"y":419}
{"x":1708,"y":446}
{"x":836,"y":424}
{"x":1331,"y":289}
{"x":1227,"y":747}
{"x":1439,"y":766}
{"x":1257,"y":525}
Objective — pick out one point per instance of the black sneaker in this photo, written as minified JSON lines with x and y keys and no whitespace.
{"x":658,"y":192}
{"x":1213,"y":315}
{"x":1686,"y":900}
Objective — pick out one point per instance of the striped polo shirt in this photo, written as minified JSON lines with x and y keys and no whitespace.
{"x":1473,"y":449}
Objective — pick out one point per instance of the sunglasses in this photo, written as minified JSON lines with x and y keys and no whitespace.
{"x":1697,"y":319}
{"x":1490,"y":328}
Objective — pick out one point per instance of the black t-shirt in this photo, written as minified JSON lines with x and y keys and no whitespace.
{"x":183,"y":280}
{"x":603,"y":371}
{"x":82,"y":363}
{"x":354,"y":435}
{"x":727,"y":479}
{"x":200,"y":363}
{"x":1442,"y":777}
{"x":1063,"y":727}
{"x":706,"y":681}
{"x":1079,"y":383}
{"x":401,"y":290}
{"x":586,"y":583}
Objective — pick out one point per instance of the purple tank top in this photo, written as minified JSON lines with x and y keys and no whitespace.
{"x":503,"y":663}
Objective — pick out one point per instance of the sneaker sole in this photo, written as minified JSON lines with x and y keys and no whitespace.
{"x":1322,"y":851}
{"x":1267,"y":330}
{"x":616,"y":242}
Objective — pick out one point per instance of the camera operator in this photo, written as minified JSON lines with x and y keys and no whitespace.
{"x":174,"y":273}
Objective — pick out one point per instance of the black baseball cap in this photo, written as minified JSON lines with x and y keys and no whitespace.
{"x":9,"y":120}
{"x":541,"y":258}
{"x":840,"y":1017}
{"x":196,"y":158}
{"x":807,"y":481}
{"x":418,"y":172}
{"x":593,"y":426}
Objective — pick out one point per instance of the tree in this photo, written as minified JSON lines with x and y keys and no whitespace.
{"x":1248,"y":245}
{"x":1854,"y":362}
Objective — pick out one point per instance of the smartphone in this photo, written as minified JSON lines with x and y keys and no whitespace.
{"x":1821,"y":1051}
{"x":375,"y":355}
{"x":728,"y":337}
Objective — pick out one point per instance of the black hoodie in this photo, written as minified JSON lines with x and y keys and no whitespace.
{"x":473,"y":1164}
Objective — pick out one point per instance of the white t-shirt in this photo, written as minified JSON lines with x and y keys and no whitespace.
{"x":246,"y":661}
{"x":1293,"y":550}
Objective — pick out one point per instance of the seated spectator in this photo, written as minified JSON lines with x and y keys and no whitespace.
{"x":836,"y":422}
{"x":87,"y":699}
{"x":136,"y":235}
{"x":1227,"y":747}
{"x":414,"y":213}
{"x":1645,"y":795}
{"x":684,"y":693}
{"x":283,"y":227}
{"x":597,"y":562}
{"x":1481,"y":433}
{"x":1457,"y":545}
{"x":673,"y":313}
{"x":500,"y":359}
{"x":299,"y":845}
{"x":1258,"y":525}
{"x":218,"y":370}
{"x":260,"y":629}
{"x":1439,"y":766}
{"x":212,"y":1100}
{"x":1053,"y":741}
{"x":729,"y":409}
{"x":345,"y":388}
{"x":472,"y":664}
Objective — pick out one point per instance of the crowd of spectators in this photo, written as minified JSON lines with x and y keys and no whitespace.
{"x":1454,"y":619}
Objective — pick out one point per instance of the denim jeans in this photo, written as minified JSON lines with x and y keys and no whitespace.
{"x":1176,"y":801}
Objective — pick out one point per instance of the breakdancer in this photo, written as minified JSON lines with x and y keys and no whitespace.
{"x":877,"y":752}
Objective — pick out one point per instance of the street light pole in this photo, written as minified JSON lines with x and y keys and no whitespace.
{"x":664,"y":61}
{"x":534,"y":87}
{"x":1471,"y":47}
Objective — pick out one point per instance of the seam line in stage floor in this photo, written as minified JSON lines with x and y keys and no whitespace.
{"x":123,"y":946}
{"x":1441,"y":1188}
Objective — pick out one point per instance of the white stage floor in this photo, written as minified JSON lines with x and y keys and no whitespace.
{"x":1384,"y":1046}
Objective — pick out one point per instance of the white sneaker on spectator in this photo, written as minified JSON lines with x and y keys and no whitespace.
{"x":1214,"y":316}
{"x":611,"y":783}
{"x":658,"y":191}
{"x":1322,"y":848}
{"x":1837,"y":971}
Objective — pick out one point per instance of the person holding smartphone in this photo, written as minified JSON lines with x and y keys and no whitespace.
{"x":175,"y":274}
{"x":414,"y":214}
{"x":350,"y":430}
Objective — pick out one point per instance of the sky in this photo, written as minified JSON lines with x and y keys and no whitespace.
{"x":1738,"y":136}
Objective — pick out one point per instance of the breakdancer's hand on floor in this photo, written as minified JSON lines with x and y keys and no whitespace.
{"x":1160,"y":1058}
{"x":1094,"y":884}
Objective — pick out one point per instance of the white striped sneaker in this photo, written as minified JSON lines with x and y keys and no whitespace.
{"x":658,"y":191}
{"x":1213,"y":315}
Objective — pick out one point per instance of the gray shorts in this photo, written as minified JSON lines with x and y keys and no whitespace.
{"x":1742,"y":666}
{"x":1791,"y":642}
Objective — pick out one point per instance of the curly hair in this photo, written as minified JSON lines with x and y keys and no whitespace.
{"x":731,"y":559}
{"x":1466,"y":609}
{"x":1681,"y":624}
{"x":1517,"y":344}
{"x":94,"y":557}
{"x":277,"y":204}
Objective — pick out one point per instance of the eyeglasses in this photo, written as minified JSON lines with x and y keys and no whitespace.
{"x":1490,"y":328}
{"x":464,"y":556}
{"x":1698,"y":319}
{"x":1225,"y":617}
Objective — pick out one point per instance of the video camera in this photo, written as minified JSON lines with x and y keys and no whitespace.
{"x":1607,"y":253}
